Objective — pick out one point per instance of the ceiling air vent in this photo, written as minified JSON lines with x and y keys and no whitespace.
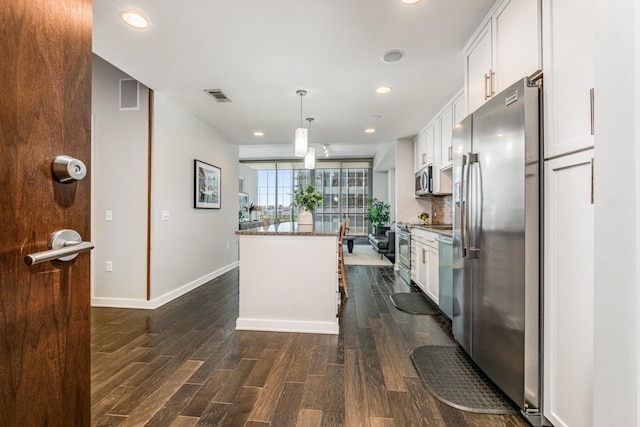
{"x":218,"y":95}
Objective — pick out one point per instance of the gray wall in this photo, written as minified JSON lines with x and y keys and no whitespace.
{"x":119,"y":180}
{"x":194,"y":245}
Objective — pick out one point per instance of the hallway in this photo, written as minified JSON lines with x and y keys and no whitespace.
{"x":185,"y":365}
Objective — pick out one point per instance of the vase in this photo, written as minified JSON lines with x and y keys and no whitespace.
{"x":305,"y":217}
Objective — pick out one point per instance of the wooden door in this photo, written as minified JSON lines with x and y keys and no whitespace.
{"x":45,"y":111}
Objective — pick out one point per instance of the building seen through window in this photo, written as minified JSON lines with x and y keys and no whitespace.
{"x":345,"y":187}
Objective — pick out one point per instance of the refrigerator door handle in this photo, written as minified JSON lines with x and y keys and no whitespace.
{"x":465,"y":229}
{"x":472,"y":252}
{"x":463,"y":204}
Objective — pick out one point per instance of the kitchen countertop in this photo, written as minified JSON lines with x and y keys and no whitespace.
{"x":443,"y":229}
{"x":285,"y":229}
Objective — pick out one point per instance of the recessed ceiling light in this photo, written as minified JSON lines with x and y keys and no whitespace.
{"x":410,"y":1}
{"x":383,"y":89}
{"x":258,"y":133}
{"x":135,"y":19}
{"x":370,"y":130}
{"x":392,"y":56}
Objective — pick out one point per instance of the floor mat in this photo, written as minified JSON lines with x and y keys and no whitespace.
{"x":413,"y":303}
{"x":451,"y":377}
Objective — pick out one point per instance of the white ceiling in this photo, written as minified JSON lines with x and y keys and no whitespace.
{"x":259,"y":52}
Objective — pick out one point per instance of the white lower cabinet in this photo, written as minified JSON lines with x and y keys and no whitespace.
{"x":422,"y":267}
{"x":569,"y":291}
{"x":427,"y":262}
{"x":433,"y":274}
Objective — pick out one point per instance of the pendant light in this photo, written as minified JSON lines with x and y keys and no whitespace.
{"x":300,"y":142}
{"x":310,"y":156}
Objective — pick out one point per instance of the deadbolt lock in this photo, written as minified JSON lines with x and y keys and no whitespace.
{"x":68,"y":169}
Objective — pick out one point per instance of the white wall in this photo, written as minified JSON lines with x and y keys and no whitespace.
{"x":408,"y":206}
{"x":119,"y":180}
{"x":617,"y":199}
{"x":391,"y":185}
{"x":379,"y":189}
{"x":195,"y":245}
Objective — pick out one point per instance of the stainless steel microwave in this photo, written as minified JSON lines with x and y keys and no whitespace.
{"x":424,"y":181}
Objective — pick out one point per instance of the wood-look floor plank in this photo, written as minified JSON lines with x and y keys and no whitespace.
{"x":376,"y":391}
{"x":391,"y":370}
{"x":286,"y":412}
{"x":182,"y":421}
{"x":272,"y":390}
{"x":229,"y":390}
{"x":263,"y":367}
{"x":334,"y":404}
{"x":201,"y":400}
{"x":424,"y":404}
{"x":313,"y":393}
{"x":382,"y":422}
{"x":404,"y":413}
{"x":213,"y":415}
{"x":356,"y":407}
{"x":309,"y":418}
{"x":241,"y":407}
{"x":300,"y":364}
{"x":171,"y":410}
{"x":100,"y":409}
{"x":156,"y":400}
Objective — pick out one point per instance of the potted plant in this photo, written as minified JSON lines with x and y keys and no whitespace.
{"x":307,"y":198}
{"x":424,"y":217}
{"x":377,"y":213}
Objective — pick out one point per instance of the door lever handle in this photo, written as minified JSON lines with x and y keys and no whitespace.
{"x":64,"y":245}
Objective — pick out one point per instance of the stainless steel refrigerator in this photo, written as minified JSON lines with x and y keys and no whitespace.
{"x":496,"y":241}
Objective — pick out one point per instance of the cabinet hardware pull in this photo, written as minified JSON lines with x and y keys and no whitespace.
{"x":486,"y":81}
{"x":492,"y":77}
{"x":591,"y":110}
{"x":592,"y":190}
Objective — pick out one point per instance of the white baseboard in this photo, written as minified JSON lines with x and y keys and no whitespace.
{"x":287,"y":326}
{"x":162,"y":300}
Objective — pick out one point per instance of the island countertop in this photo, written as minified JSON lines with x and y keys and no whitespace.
{"x":285,"y":229}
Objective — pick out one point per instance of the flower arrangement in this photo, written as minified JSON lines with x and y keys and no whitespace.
{"x":424,"y":217}
{"x":307,"y":197}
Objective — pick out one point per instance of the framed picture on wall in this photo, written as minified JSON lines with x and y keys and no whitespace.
{"x":207,"y":185}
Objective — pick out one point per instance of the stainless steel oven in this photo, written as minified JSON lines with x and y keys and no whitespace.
{"x":404,"y":252}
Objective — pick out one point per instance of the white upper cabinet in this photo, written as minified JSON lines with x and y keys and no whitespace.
{"x":568,"y":76}
{"x":446,"y":137}
{"x":459,"y":108}
{"x":423,"y":149}
{"x":506,"y":48}
{"x":478,"y":70}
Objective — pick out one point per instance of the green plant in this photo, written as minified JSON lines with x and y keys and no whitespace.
{"x":377,"y":213}
{"x":307,"y":197}
{"x":423,"y":216}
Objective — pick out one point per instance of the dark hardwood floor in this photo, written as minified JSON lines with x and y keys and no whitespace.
{"x":185,"y":365}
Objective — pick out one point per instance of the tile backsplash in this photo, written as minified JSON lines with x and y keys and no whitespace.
{"x":442,"y":209}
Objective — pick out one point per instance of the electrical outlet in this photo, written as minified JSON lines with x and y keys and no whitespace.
{"x":109,"y":266}
{"x":228,"y":246}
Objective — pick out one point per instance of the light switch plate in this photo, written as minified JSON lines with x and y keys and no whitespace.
{"x":109,"y":215}
{"x":165,"y":215}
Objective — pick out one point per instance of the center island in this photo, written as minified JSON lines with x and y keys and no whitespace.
{"x":288,"y":279}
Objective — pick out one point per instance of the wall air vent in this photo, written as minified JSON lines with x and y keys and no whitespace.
{"x":218,"y":95}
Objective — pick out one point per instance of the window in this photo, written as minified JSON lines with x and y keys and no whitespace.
{"x":345,"y":187}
